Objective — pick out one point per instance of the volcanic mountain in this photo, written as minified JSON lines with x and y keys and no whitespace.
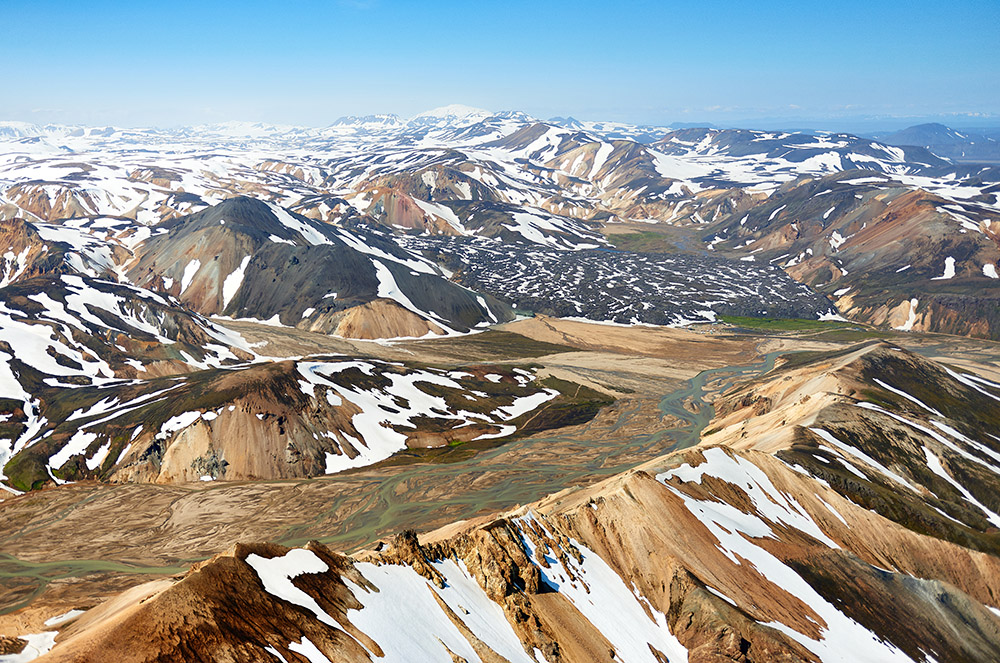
{"x":463,"y":172}
{"x":250,"y":259}
{"x":886,"y":254}
{"x":832,"y":516}
{"x":219,"y":343}
{"x":975,"y":145}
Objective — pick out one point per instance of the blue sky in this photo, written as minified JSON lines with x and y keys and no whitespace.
{"x":309,"y":62}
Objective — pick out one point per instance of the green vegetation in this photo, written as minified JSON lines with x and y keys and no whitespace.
{"x":855,"y":335}
{"x":26,"y":472}
{"x":575,"y":405}
{"x":492,"y":345}
{"x":783,"y":324}
{"x":643,"y":241}
{"x":881,"y":496}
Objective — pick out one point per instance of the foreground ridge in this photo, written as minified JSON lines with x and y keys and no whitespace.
{"x":847,"y":533}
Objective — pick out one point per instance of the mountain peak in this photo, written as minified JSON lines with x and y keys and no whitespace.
{"x":376,"y":119}
{"x":453,"y":111}
{"x":928,"y":134}
{"x":568,"y":122}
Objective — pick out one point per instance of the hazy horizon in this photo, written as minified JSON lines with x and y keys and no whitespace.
{"x":848,"y":124}
{"x":857,"y":66}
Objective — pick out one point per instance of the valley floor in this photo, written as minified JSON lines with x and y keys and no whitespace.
{"x":74,"y":545}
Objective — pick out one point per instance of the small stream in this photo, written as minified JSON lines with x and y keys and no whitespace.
{"x":394,"y":501}
{"x":694,"y":393}
{"x":40,"y":574}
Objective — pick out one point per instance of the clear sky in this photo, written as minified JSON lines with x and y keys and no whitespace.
{"x":308,"y":62}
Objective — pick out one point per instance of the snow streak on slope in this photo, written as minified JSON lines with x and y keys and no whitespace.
{"x":383,"y":414}
{"x":151,"y":174}
{"x":622,"y":616}
{"x":67,"y":333}
{"x":623,"y":287}
{"x":402,"y":614}
{"x":410,"y":617}
{"x":736,"y":532}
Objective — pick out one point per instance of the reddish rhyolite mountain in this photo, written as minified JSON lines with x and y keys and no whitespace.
{"x":833,"y":516}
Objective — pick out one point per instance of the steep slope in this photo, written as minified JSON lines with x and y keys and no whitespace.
{"x":26,"y":254}
{"x":251,"y":259}
{"x":460,"y":197}
{"x":59,"y":335}
{"x":418,"y":198}
{"x":887,"y":254}
{"x":703,"y":555}
{"x":278,"y":420}
{"x":462,"y":172}
{"x":89,"y":246}
{"x":910,"y":439}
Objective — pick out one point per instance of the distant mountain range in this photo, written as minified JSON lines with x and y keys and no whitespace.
{"x":971,"y":145}
{"x":237,"y":334}
{"x":507,"y":177}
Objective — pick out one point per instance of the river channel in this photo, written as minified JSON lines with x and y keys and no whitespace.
{"x":353,"y":511}
{"x":394,"y":501}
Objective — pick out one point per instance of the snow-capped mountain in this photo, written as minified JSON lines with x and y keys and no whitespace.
{"x":306,"y":316}
{"x":452,"y":114}
{"x":852,"y":523}
{"x":376,"y":227}
{"x":969,"y":145}
{"x":465,"y":172}
{"x":376,"y":122}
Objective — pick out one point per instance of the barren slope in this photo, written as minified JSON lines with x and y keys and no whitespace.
{"x":707,"y":554}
